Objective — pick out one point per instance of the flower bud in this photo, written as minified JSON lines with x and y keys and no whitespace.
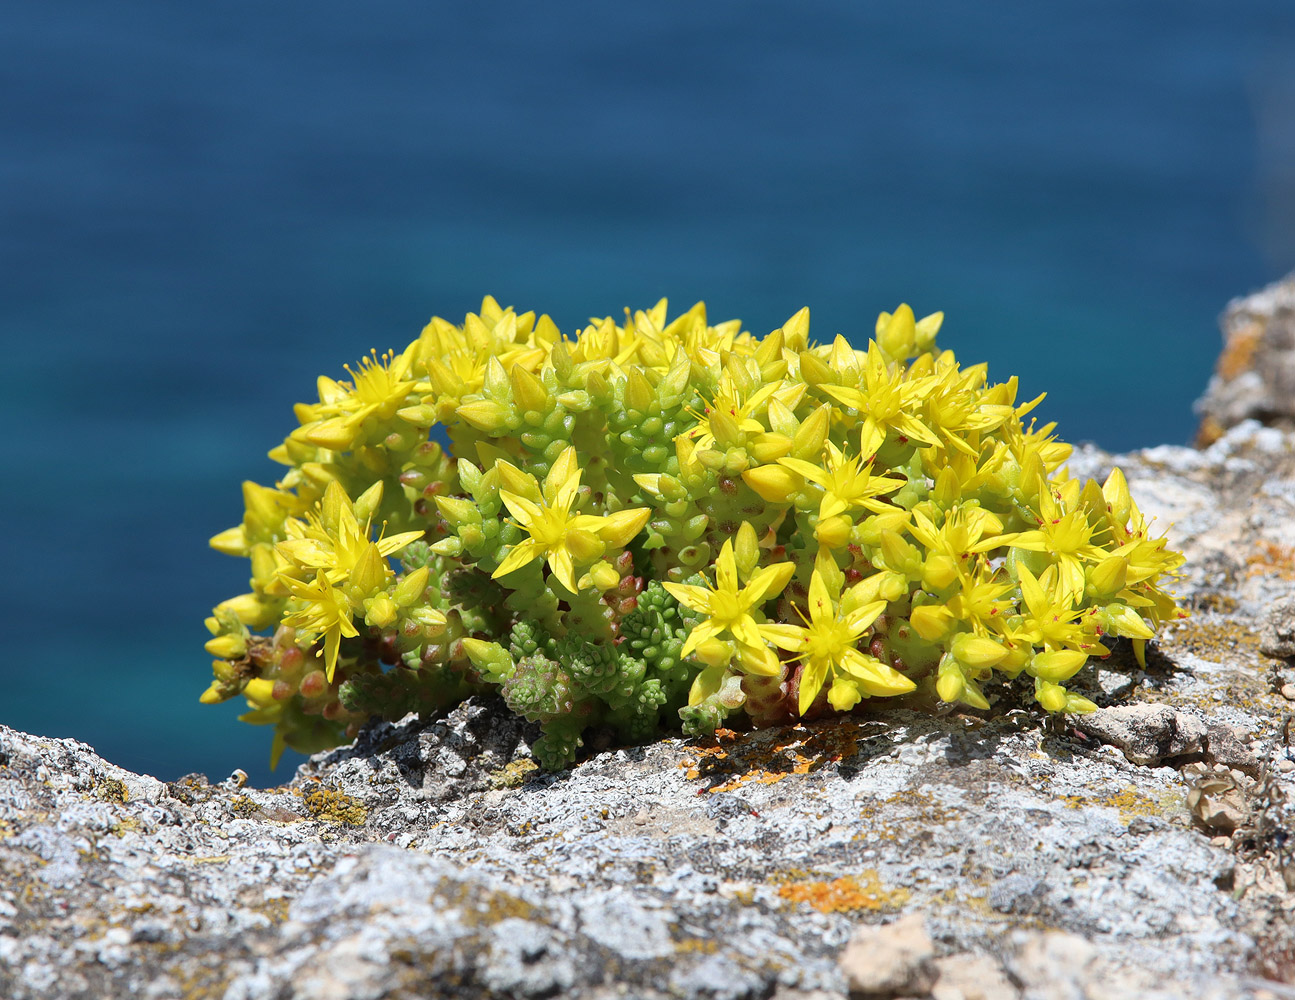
{"x":231,"y":541}
{"x":335,"y":434}
{"x":977,"y":651}
{"x":795,"y":331}
{"x":899,"y":555}
{"x":724,"y":426}
{"x":926,"y":330}
{"x":528,"y":391}
{"x":215,"y":694}
{"x":1116,"y":492}
{"x":833,"y":532}
{"x":449,"y":547}
{"x":897,"y":339}
{"x":746,"y":551}
{"x":811,"y":435}
{"x":381,"y":611}
{"x":770,"y":447}
{"x":603,"y":575}
{"x":227,"y":646}
{"x":410,"y":590}
{"x":759,"y":660}
{"x":815,"y":371}
{"x":368,"y":502}
{"x":939,"y":571}
{"x":485,"y":415}
{"x":773,"y":483}
{"x":639,"y":394}
{"x":421,"y":415}
{"x":931,"y":621}
{"x":714,"y":652}
{"x":1108,"y":578}
{"x":1051,"y":696}
{"x":369,"y":573}
{"x":619,"y":528}
{"x":251,"y":610}
{"x":844,"y":694}
{"x":1123,"y":620}
{"x":458,"y":511}
{"x":259,"y":692}
{"x":950,"y":683}
{"x":1057,"y":665}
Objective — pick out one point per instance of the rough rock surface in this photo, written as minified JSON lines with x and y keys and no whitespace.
{"x":1255,"y":375}
{"x":1138,"y":853}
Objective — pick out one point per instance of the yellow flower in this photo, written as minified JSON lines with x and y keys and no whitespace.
{"x":847,"y":483}
{"x":1062,"y":533}
{"x":332,"y":538}
{"x":885,"y":400}
{"x":326,"y":612}
{"x":827,"y":644}
{"x":729,"y":419}
{"x":1051,"y":619}
{"x":557,"y":535}
{"x":729,"y":607}
{"x":378,"y":387}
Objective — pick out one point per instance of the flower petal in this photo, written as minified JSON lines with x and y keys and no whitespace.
{"x":767,"y":582}
{"x":519,"y":555}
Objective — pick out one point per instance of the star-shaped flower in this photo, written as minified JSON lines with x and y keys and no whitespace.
{"x":325,"y":611}
{"x":827,"y":643}
{"x":847,"y":482}
{"x":729,"y":607}
{"x":557,"y":535}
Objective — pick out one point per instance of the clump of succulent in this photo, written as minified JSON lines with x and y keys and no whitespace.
{"x":662,"y":524}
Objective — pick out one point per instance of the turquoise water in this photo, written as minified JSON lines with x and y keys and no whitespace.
{"x":203,"y":209}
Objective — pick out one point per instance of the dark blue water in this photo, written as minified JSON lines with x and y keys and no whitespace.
{"x":202,"y":207}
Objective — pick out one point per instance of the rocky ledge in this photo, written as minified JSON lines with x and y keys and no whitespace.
{"x":1141,"y":851}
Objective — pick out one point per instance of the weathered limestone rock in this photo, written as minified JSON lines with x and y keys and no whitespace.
{"x":1147,"y":734}
{"x":1255,"y":375}
{"x":890,"y":960}
{"x":1138,"y":853}
{"x":1277,"y":636}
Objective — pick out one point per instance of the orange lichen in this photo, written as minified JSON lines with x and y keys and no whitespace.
{"x":846,"y":894}
{"x":1271,"y":559}
{"x":1239,"y":351}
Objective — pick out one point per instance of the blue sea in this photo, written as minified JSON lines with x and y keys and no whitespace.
{"x":204,"y":206}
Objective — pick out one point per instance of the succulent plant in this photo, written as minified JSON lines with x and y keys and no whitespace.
{"x":663,"y":523}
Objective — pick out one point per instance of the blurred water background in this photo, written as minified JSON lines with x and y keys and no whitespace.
{"x":203,"y":206}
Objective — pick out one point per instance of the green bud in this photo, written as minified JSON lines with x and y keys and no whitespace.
{"x":458,"y":512}
{"x":746,"y":551}
{"x":410,"y":589}
{"x":811,"y":435}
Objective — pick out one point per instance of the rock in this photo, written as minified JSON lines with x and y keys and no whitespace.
{"x":894,"y":960}
{"x":1054,"y":965}
{"x":972,"y":977}
{"x":1017,"y":894}
{"x":1230,"y":746}
{"x":1277,"y":635}
{"x":1254,"y":378}
{"x":1147,"y":734}
{"x":1217,"y":803}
